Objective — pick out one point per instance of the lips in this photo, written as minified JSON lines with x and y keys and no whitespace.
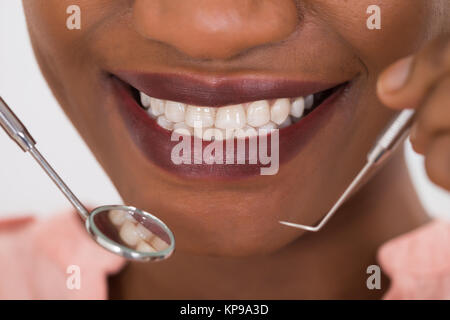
{"x":155,"y":142}
{"x":218,"y":91}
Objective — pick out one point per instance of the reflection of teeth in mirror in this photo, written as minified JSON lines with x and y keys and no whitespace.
{"x":117,"y":217}
{"x":145,"y":247}
{"x":158,"y":243}
{"x":135,"y":235}
{"x":129,"y":234}
{"x":129,"y":217}
{"x":143,"y":232}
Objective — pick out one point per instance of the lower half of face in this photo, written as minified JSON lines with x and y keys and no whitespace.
{"x":130,"y":86}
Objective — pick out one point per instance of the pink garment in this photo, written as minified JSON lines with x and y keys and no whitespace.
{"x":418,"y":263}
{"x":34,"y":265}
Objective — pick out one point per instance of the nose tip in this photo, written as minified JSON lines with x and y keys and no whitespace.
{"x":215,"y":29}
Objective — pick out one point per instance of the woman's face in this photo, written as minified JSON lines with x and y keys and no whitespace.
{"x":216,"y":53}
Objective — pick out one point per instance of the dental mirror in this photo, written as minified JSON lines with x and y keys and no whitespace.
{"x":124,"y":230}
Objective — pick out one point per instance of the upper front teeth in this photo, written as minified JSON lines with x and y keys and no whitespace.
{"x":280,"y":110}
{"x":231,"y":117}
{"x":260,"y":114}
{"x":145,"y":100}
{"x":175,"y":111}
{"x":157,"y":106}
{"x":297,"y":107}
{"x":204,"y":115}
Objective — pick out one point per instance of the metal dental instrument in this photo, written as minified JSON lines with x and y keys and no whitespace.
{"x":387,"y":141}
{"x":157,"y":241}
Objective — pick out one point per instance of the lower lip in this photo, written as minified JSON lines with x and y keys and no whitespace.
{"x":155,"y":142}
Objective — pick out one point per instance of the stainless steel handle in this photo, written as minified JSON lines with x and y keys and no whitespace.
{"x":14,"y":128}
{"x":390,"y":137}
{"x":17,"y":131}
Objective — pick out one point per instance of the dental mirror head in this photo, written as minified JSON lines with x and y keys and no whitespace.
{"x":126,"y":231}
{"x":131,"y":233}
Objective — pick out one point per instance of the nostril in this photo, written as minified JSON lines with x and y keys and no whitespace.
{"x":215,"y":29}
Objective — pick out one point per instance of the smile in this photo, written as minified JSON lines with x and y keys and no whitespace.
{"x":233,"y":121}
{"x":154,"y":106}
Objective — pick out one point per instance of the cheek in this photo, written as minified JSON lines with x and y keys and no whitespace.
{"x":47,"y":25}
{"x":405,"y":26}
{"x":64,"y":57}
{"x":57,"y":49}
{"x":52,"y":39}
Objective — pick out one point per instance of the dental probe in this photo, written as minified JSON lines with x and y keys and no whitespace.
{"x":384,"y":145}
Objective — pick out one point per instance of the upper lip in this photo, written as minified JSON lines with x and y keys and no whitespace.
{"x":216,"y":91}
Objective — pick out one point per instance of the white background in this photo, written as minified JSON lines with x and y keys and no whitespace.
{"x":24,"y":187}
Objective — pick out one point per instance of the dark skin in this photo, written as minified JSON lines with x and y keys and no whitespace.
{"x":226,"y":231}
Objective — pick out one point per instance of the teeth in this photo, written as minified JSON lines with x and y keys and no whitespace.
{"x":298,"y":107}
{"x":182,"y":128}
{"x":217,"y":134}
{"x":280,"y":110}
{"x":258,"y":113}
{"x":145,"y":100}
{"x":245,"y":132}
{"x":286,"y":123}
{"x":231,"y":117}
{"x":158,"y":244}
{"x":157,"y":106}
{"x":199,"y":132}
{"x":129,"y":234}
{"x":164,"y":122}
{"x":143,"y":232}
{"x":200,"y":116}
{"x":117,"y":217}
{"x":135,"y":234}
{"x":309,"y":101}
{"x":151,"y":113}
{"x":268,"y":126}
{"x":145,"y":247}
{"x":175,"y":111}
{"x":226,"y":122}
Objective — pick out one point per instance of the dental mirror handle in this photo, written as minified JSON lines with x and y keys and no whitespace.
{"x":19,"y":133}
{"x":383,"y":146}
